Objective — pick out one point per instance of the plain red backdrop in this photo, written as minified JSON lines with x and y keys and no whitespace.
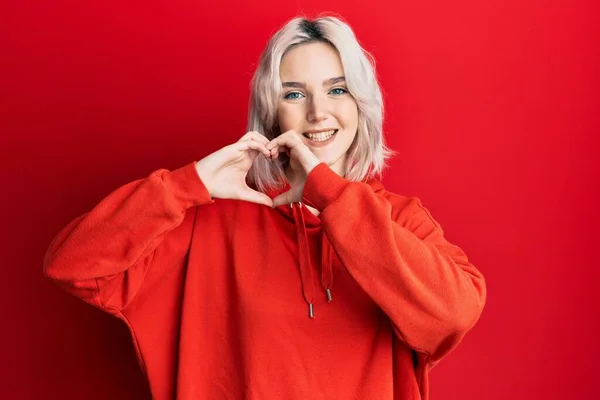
{"x":491,"y":105}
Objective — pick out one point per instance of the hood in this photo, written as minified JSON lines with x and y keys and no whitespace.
{"x":303,"y":219}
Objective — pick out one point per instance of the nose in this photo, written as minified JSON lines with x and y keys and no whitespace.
{"x":317,"y":109}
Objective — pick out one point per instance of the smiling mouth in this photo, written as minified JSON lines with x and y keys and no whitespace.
{"x":320,"y":136}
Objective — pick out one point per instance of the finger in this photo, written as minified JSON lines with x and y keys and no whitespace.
{"x":284,"y":198}
{"x":284,"y":136}
{"x":275,"y":152}
{"x":251,"y":144}
{"x":284,"y":148}
{"x":257,"y":137}
{"x":289,"y":141}
{"x":256,"y":197}
{"x":299,"y":153}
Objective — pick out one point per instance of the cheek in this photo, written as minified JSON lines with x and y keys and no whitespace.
{"x":349,"y":114}
{"x":287,"y":117}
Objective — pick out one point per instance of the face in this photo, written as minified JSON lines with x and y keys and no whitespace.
{"x":316,"y":104}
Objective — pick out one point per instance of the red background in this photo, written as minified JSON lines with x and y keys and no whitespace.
{"x":491,"y":105}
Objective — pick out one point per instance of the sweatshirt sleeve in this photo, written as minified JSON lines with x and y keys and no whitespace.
{"x":103,"y":256}
{"x":397,"y":253}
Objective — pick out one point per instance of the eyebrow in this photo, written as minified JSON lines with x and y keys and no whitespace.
{"x":326,"y":82}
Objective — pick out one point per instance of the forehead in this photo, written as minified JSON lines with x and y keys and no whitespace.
{"x":311,"y":63}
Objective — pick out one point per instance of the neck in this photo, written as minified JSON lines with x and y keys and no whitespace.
{"x":289,"y":174}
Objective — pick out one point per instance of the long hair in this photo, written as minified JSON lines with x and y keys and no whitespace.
{"x":368,"y":153}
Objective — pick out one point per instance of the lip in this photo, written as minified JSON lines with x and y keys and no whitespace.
{"x":313,"y":144}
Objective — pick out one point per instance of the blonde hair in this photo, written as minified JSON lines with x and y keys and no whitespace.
{"x":368,"y":153}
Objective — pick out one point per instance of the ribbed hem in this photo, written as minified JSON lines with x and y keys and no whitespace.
{"x":186,"y":186}
{"x":322,"y":187}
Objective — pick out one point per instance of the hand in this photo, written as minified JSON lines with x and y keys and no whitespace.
{"x":224,"y":171}
{"x":302,"y":162}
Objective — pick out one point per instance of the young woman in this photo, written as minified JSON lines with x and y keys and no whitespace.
{"x":278,"y":267}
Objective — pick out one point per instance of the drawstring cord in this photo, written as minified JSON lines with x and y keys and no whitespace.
{"x":306,"y":270}
{"x":327,"y":270}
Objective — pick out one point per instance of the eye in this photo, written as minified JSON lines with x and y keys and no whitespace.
{"x":292,"y":96}
{"x":338,"y":91}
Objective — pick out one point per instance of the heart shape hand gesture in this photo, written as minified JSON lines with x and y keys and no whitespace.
{"x":224,"y":171}
{"x":302,"y":162}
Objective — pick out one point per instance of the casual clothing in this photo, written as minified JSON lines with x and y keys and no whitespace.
{"x":216,"y":293}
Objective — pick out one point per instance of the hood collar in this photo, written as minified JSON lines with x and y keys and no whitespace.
{"x":286,"y":210}
{"x":302,"y":218}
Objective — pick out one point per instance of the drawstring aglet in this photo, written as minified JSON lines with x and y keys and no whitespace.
{"x":311,"y":310}
{"x":329,"y":298}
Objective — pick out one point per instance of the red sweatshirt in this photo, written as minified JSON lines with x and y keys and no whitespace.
{"x":216,"y":293}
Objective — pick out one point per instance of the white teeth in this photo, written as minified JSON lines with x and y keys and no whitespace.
{"x":321,"y":136}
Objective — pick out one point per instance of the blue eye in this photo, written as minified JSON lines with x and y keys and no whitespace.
{"x":292,"y":96}
{"x":338,"y":91}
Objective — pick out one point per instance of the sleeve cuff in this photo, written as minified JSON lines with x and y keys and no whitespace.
{"x":322,"y":187}
{"x":186,"y":186}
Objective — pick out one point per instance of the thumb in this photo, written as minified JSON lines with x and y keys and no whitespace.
{"x":283,"y":198}
{"x":256,"y":197}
